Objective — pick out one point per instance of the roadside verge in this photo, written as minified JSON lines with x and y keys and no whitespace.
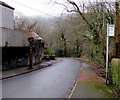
{"x":90,"y":85}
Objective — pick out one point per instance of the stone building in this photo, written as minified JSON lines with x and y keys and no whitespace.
{"x":15,"y":44}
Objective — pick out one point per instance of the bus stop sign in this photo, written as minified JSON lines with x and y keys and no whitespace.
{"x":110,"y":30}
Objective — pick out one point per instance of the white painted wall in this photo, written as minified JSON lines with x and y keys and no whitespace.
{"x":7,"y":33}
{"x":0,"y":25}
{"x":6,"y":17}
{"x":14,"y":38}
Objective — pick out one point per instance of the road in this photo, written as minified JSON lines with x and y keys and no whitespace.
{"x":51,"y":82}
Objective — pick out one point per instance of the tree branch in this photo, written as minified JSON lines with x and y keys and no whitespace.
{"x":81,"y":14}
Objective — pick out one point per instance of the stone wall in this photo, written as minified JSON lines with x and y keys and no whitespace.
{"x":14,"y":57}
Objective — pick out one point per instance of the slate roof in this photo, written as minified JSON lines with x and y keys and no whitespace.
{"x":6,"y":5}
{"x":35,"y":36}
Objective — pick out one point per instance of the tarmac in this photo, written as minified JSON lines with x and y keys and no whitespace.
{"x":87,"y":85}
{"x":23,"y":70}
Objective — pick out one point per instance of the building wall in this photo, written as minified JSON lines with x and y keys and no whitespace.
{"x":0,"y":25}
{"x":13,"y":57}
{"x":13,"y":38}
{"x":6,"y":17}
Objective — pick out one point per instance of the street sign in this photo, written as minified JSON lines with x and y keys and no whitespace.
{"x":110,"y":30}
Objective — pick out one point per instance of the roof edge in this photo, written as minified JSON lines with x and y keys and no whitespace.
{"x":6,"y":5}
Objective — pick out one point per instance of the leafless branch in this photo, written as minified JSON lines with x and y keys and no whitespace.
{"x":31,"y":26}
{"x":83,"y":17}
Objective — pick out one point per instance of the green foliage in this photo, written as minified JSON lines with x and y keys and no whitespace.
{"x":96,"y":56}
{"x":50,"y":52}
{"x":109,"y":91}
{"x":59,"y":53}
{"x":115,"y":71}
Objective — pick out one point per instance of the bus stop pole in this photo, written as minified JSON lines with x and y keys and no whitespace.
{"x":107,"y":43}
{"x":107,"y":58}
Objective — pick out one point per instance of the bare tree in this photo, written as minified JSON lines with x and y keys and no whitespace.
{"x":23,"y":23}
{"x":96,"y":16}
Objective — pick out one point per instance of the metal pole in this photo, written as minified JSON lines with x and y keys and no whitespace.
{"x":107,"y":43}
{"x":107,"y":58}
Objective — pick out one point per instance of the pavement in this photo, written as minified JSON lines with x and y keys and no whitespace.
{"x":90,"y":85}
{"x":23,"y":70}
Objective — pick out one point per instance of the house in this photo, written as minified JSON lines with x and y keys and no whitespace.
{"x":38,"y":48}
{"x":15,"y":44}
{"x":7,"y":28}
{"x":6,"y":10}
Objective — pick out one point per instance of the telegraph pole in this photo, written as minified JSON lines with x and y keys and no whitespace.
{"x":117,"y":31}
{"x":31,"y":40}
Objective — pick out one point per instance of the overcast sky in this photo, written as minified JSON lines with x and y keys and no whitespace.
{"x":43,"y":6}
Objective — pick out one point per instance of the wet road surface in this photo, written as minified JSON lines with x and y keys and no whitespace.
{"x":51,"y":82}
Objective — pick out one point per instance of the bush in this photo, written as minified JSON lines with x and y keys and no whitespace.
{"x":46,"y":57}
{"x":59,"y":53}
{"x":49,"y":54}
{"x":115,"y":71}
{"x":52,"y":57}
